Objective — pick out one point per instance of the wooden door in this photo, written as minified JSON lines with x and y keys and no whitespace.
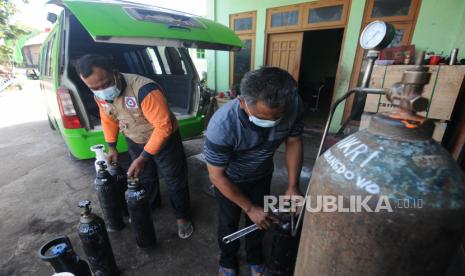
{"x":284,"y":51}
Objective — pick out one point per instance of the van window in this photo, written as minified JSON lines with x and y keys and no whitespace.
{"x":43,"y":57}
{"x":172,"y":61}
{"x":161,"y":51}
{"x":154,"y":60}
{"x":49,"y":68}
{"x":42,"y":60}
{"x":135,"y":62}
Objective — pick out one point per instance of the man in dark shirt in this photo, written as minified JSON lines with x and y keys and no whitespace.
{"x":241,"y":139}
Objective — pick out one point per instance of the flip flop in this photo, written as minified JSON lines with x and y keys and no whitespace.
{"x":257,"y":270}
{"x":185,"y":230}
{"x":223,"y":271}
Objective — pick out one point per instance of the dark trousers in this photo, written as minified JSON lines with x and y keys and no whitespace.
{"x":228,"y":222}
{"x":170,"y":162}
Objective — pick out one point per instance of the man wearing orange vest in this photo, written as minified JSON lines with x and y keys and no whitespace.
{"x":136,"y":106}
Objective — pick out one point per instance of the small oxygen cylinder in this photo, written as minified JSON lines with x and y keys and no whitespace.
{"x":108,"y":196}
{"x":95,"y":241}
{"x":140,"y":214}
{"x":100,"y":155}
{"x":121,"y":180}
{"x":60,"y":254}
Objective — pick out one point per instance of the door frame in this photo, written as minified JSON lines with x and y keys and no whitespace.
{"x":306,"y":27}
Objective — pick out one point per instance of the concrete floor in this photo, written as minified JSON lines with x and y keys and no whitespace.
{"x":40,"y":187}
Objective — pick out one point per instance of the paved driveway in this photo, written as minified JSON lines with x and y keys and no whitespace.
{"x":40,"y":187}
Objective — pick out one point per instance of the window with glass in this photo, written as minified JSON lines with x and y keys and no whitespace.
{"x":393,"y":10}
{"x":243,"y":23}
{"x":325,"y":14}
{"x":242,"y":61}
{"x":200,"y":53}
{"x":154,"y":60}
{"x":49,"y":66}
{"x":281,"y":19}
{"x":284,"y":18}
{"x":386,"y":8}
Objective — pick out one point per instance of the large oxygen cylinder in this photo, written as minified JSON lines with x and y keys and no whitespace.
{"x":108,"y":196}
{"x":121,"y":181}
{"x":60,"y":254}
{"x":140,"y":214}
{"x":94,"y":238}
{"x":416,"y":195}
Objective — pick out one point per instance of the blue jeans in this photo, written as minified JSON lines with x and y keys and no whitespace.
{"x":170,"y":162}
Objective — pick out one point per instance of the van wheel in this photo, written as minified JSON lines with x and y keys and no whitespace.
{"x":50,"y":124}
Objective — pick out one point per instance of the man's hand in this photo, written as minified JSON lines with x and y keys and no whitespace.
{"x":259,"y":217}
{"x":295,"y":198}
{"x":293,"y":192}
{"x":112,"y":156}
{"x":137,"y":167}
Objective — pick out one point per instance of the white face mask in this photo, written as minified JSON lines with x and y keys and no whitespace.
{"x":107,"y":94}
{"x":261,"y":122}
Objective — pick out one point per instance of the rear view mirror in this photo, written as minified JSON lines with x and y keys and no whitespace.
{"x":32,"y":74}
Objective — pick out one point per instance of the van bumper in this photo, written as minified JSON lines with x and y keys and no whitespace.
{"x":80,"y":140}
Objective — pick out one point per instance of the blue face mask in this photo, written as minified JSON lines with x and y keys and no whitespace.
{"x":107,"y":94}
{"x":261,"y":122}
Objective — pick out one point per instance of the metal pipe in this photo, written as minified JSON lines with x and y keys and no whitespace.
{"x":372,"y":56}
{"x":378,"y":91}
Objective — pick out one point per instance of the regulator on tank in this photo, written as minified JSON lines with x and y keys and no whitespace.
{"x":400,"y":197}
{"x":95,"y":241}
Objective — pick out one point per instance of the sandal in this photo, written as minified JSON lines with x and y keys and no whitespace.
{"x":223,"y":271}
{"x":257,"y":270}
{"x":185,"y":230}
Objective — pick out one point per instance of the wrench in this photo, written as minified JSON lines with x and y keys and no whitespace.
{"x":245,"y":231}
{"x":236,"y":235}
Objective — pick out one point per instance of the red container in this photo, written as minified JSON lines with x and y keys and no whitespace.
{"x":434,"y":60}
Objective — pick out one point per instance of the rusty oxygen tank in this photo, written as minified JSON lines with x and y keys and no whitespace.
{"x":95,"y":241}
{"x":414,"y":184}
{"x":140,"y":214}
{"x":108,"y":195}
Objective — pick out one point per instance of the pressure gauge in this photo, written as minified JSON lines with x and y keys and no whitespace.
{"x":377,"y":35}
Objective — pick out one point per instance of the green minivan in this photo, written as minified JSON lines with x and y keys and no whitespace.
{"x":145,"y":40}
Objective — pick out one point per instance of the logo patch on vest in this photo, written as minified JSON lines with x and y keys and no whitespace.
{"x":130,"y":102}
